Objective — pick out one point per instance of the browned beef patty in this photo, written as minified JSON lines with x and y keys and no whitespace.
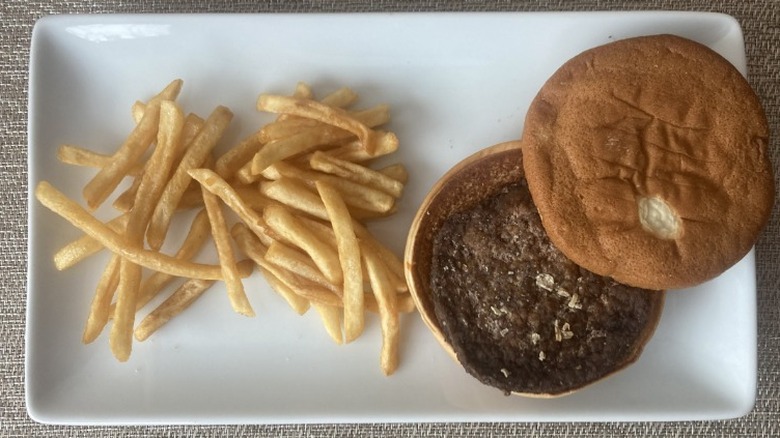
{"x":521,"y":316}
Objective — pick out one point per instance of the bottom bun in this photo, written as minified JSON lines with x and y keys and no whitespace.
{"x":503,"y":301}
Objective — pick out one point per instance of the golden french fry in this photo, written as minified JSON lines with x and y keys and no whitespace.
{"x":353,"y":151}
{"x":356,"y":173}
{"x":200,"y":230}
{"x":289,"y":144}
{"x":194,"y":156}
{"x":296,"y":144}
{"x":388,"y":312}
{"x":404,"y":303}
{"x":170,"y":92}
{"x":299,"y":304}
{"x":295,"y":194}
{"x":121,"y":336}
{"x":369,"y":243}
{"x":349,"y":256}
{"x":235,"y":288}
{"x":323,"y":231}
{"x":254,"y":249}
{"x":329,"y":115}
{"x":192,"y":125}
{"x":105,"y":181}
{"x":301,"y":264}
{"x":159,"y":164}
{"x":286,"y":125}
{"x":231,"y":161}
{"x":171,"y":122}
{"x":341,"y":98}
{"x":83,"y":247}
{"x":292,"y":230}
{"x":210,"y":181}
{"x":396,"y":171}
{"x":355,"y":195}
{"x":78,"y":156}
{"x":71,"y":211}
{"x":284,"y":128}
{"x":331,"y":319}
{"x":303,"y":90}
{"x":137,"y":110}
{"x":245,"y":175}
{"x":182,"y":298}
{"x":251,"y":196}
{"x":101,"y":302}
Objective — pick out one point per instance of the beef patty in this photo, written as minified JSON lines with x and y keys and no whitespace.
{"x":518,"y":314}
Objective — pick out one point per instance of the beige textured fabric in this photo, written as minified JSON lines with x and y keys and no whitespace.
{"x":761,"y":23}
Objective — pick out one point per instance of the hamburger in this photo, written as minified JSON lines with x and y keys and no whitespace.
{"x":540,"y":265}
{"x":503,"y":301}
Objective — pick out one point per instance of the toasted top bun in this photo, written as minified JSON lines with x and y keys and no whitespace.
{"x":647,"y":159}
{"x":506,"y":304}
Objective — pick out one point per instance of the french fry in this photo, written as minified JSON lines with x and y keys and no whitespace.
{"x":83,"y":247}
{"x":404,"y":303}
{"x":101,"y":302}
{"x":331,"y":319}
{"x":301,"y":264}
{"x":254,"y":249}
{"x":194,"y":156}
{"x":245,"y":175}
{"x":292,"y":230}
{"x":192,"y":125}
{"x":284,"y":128}
{"x":355,"y":195}
{"x":72,"y":212}
{"x":356,"y":173}
{"x":349,"y":256}
{"x":105,"y":181}
{"x":323,"y":231}
{"x":286,"y":125}
{"x":231,"y":161}
{"x":121,"y":337}
{"x":329,"y":115}
{"x":295,"y":194}
{"x":341,"y":98}
{"x":296,"y":144}
{"x":170,"y":92}
{"x":200,"y":230}
{"x":353,"y":151}
{"x":291,"y":144}
{"x":78,"y":156}
{"x":171,"y":122}
{"x":160,"y":163}
{"x":210,"y":181}
{"x":235,"y":288}
{"x":303,"y":90}
{"x":396,"y":171}
{"x":388,"y":312}
{"x":179,"y":301}
{"x":299,"y":304}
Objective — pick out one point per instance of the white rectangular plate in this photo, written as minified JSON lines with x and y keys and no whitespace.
{"x":456,"y":83}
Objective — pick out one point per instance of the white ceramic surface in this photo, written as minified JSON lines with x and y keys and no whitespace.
{"x":456,"y":83}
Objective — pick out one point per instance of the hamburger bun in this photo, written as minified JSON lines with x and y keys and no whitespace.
{"x":647,"y":159}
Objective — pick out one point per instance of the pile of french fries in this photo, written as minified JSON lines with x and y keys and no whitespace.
{"x":300,"y":189}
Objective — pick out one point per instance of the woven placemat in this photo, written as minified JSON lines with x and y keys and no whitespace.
{"x":761,"y":24}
